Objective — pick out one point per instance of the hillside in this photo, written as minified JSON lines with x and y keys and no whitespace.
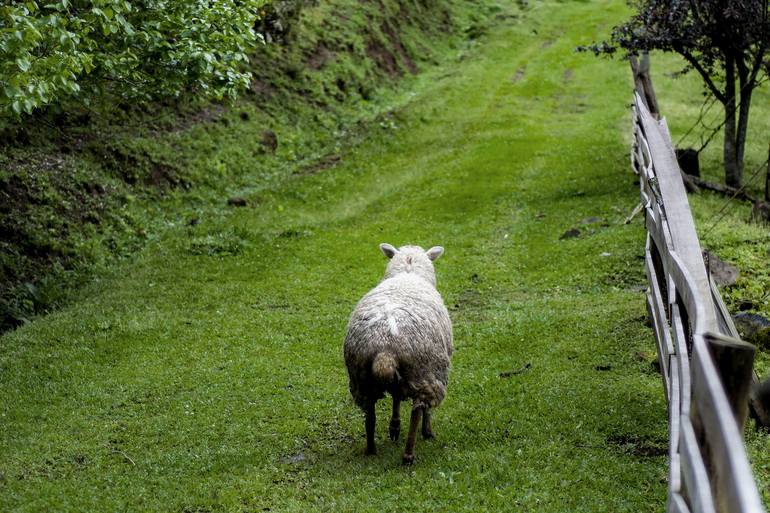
{"x":81,"y":188}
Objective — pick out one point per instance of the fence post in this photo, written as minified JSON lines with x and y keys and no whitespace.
{"x":643,"y":82}
{"x":734,"y":360}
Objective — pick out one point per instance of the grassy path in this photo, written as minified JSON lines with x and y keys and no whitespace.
{"x":207,"y":375}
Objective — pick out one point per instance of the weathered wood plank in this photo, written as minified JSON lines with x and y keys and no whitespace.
{"x":682,"y":228}
{"x":732,"y":481}
{"x":658,"y":315}
{"x":664,"y":371}
{"x":674,"y":414}
{"x":725,"y":320}
{"x":682,"y":358}
{"x":697,"y":487}
{"x":644,"y":148}
{"x":659,"y":234}
{"x":676,"y":504}
{"x":637,"y":160}
{"x":698,"y":311}
{"x":645,"y":199}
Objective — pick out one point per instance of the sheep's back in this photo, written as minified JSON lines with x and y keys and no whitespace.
{"x":405,"y":316}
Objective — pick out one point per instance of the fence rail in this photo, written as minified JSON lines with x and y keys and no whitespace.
{"x":706,"y":369}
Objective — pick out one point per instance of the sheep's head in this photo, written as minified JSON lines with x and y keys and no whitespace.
{"x":411,"y":259}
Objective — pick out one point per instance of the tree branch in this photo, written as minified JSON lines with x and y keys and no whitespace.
{"x":718,"y":94}
{"x":722,"y":189}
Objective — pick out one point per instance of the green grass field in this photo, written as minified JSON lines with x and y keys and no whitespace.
{"x":206,"y":374}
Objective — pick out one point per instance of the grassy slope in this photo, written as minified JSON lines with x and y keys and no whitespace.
{"x":214,"y":382}
{"x":94,"y":188}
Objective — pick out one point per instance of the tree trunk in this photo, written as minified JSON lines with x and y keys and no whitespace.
{"x":767,"y":177}
{"x":747,"y":88}
{"x":733,"y":171}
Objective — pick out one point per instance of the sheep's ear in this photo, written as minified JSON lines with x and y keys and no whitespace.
{"x":435,"y":252}
{"x":388,"y":250}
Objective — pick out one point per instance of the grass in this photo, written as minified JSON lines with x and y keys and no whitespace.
{"x":206,"y":373}
{"x":83,"y":188}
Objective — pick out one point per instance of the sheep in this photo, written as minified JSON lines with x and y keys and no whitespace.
{"x":399,"y":341}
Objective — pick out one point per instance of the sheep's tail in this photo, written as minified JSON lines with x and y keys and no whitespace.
{"x":385,"y":368}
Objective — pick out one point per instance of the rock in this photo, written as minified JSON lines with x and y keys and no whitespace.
{"x":760,"y":213}
{"x":754,"y":329}
{"x":761,"y":339}
{"x":725,"y":274}
{"x":295,"y":458}
{"x":270,"y":141}
{"x":749,"y":324}
{"x":760,"y":403}
{"x":570,"y":234}
{"x":591,"y":220}
{"x":237,"y":202}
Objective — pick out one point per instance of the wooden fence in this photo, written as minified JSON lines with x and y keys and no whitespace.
{"x":707,"y":370}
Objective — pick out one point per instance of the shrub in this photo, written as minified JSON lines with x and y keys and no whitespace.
{"x":115,"y":50}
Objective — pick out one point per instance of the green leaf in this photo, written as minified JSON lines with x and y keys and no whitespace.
{"x":23,"y":63}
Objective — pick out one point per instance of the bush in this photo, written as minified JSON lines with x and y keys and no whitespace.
{"x":107,"y":50}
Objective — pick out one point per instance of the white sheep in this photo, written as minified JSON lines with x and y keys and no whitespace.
{"x":399,"y":341}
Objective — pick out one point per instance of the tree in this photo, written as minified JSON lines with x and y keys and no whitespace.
{"x":725,"y":41}
{"x":116,"y":50}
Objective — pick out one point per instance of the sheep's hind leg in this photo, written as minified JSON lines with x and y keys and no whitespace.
{"x":414,"y":421}
{"x":370,"y":421}
{"x":427,"y":427}
{"x":395,"y":420}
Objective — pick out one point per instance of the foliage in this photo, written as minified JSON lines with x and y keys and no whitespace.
{"x":725,"y":42}
{"x":107,"y":50}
